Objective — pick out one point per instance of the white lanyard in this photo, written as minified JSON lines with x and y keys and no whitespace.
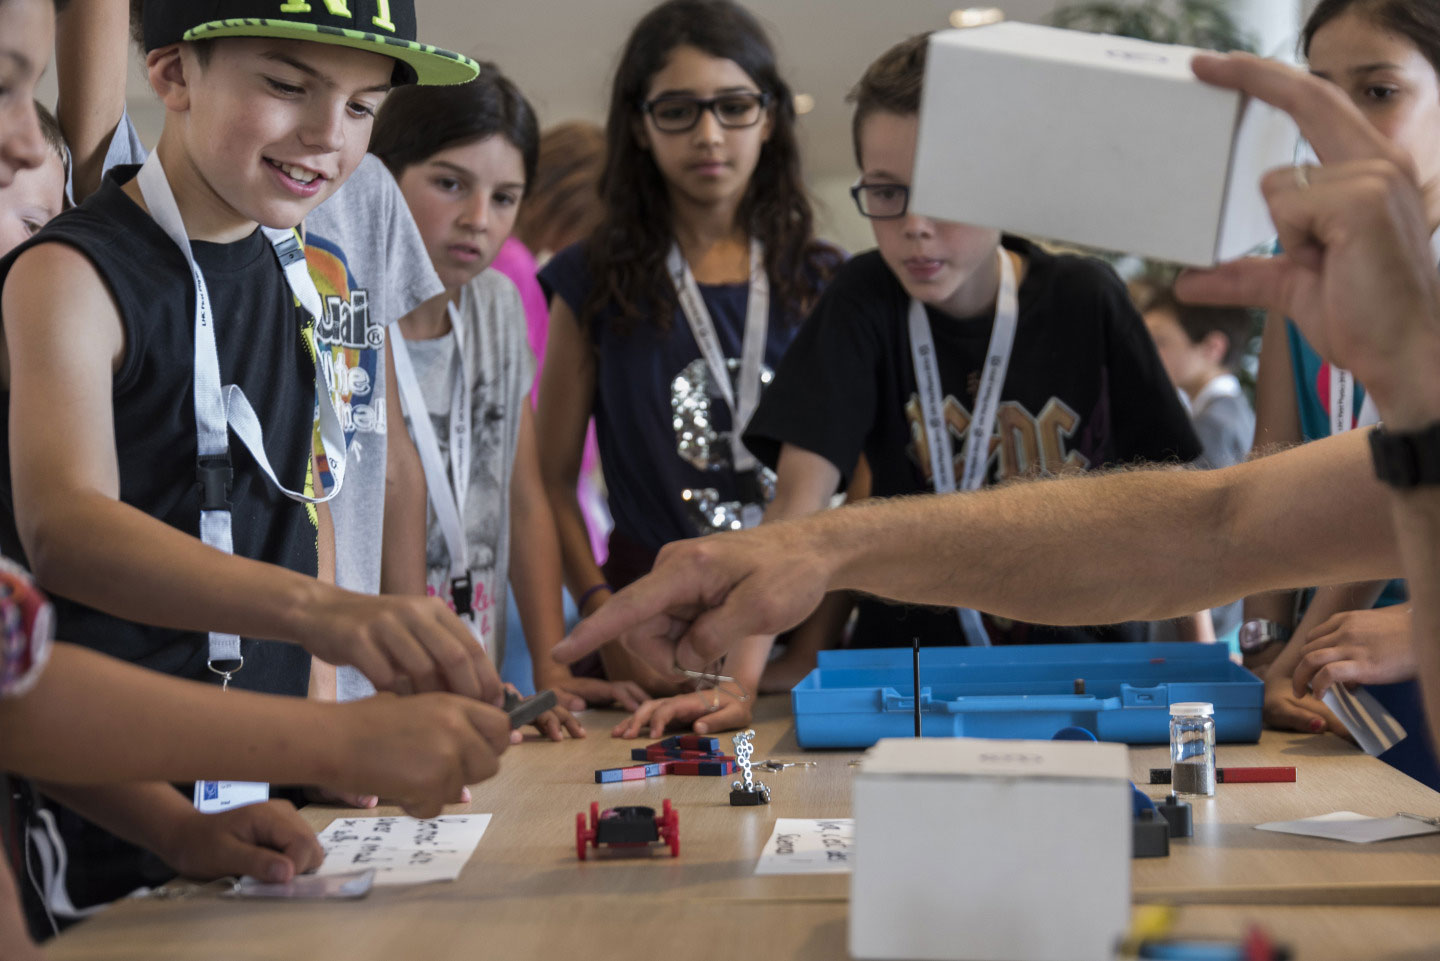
{"x":1342,"y":404}
{"x":752,"y":347}
{"x":1342,"y":386}
{"x":447,"y":496}
{"x":987,"y":405}
{"x":223,"y":407}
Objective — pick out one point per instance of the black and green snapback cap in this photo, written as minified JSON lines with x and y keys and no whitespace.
{"x":386,"y":27}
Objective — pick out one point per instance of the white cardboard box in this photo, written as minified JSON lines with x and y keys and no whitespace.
{"x":969,"y":848}
{"x":1096,"y":140}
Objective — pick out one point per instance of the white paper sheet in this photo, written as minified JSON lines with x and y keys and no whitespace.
{"x":402,"y":850}
{"x":806,"y":846}
{"x":1374,"y":728}
{"x":1352,"y":827}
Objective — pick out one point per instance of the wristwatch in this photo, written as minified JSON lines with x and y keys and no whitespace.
{"x":1407,"y":459}
{"x":1258,"y":634}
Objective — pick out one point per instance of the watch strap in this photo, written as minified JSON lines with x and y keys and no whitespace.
{"x":1407,"y":459}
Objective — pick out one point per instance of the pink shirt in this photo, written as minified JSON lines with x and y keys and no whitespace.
{"x":516,"y":262}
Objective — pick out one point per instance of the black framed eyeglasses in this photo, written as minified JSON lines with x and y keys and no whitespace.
{"x":733,"y":110}
{"x":881,"y":201}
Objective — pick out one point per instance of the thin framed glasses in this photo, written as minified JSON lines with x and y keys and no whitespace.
{"x":733,"y":110}
{"x":881,"y":201}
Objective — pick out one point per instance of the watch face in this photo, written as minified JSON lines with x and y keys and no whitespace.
{"x":1254,"y":635}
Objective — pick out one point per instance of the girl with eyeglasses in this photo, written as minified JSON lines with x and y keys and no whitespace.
{"x":668,"y":321}
{"x":946,"y":333}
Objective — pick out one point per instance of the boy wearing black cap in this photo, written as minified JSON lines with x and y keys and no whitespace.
{"x":170,"y":313}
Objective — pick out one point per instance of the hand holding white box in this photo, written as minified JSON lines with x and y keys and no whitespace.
{"x":1093,"y":139}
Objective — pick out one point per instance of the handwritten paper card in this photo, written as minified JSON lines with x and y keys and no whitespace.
{"x":402,"y":850}
{"x":806,"y":846}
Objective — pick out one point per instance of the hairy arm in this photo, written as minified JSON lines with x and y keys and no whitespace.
{"x":1331,"y":527}
{"x":1126,"y":525}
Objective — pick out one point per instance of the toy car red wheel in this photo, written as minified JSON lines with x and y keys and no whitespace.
{"x":582,"y":836}
{"x":667,"y":825}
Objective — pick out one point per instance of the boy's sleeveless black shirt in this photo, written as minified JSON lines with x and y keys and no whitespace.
{"x":262,"y":348}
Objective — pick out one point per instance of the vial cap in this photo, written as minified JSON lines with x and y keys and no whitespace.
{"x":1192,"y":709}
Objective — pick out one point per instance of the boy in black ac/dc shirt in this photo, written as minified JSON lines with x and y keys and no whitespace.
{"x":1079,"y":388}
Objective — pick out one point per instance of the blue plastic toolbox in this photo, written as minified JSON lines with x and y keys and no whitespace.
{"x":854,"y":698}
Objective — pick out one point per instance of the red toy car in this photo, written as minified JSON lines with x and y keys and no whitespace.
{"x":631,"y":826}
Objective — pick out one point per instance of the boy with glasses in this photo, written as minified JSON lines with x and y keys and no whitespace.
{"x":944,"y":326}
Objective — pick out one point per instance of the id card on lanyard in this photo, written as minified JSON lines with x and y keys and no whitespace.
{"x":446,"y":490}
{"x":1342,"y":384}
{"x":1342,"y":404}
{"x":220,"y":408}
{"x":752,"y":352}
{"x":987,"y":408}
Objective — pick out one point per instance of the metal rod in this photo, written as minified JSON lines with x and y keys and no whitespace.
{"x":916,"y":673}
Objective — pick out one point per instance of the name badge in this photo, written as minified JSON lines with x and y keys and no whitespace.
{"x":212,"y":797}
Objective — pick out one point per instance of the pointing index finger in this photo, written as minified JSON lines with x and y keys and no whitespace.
{"x":651,"y":596}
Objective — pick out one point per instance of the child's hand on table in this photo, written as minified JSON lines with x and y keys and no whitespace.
{"x":554,"y":723}
{"x":710,"y":710}
{"x":269,"y":842}
{"x":578,"y":693}
{"x":420,"y":751}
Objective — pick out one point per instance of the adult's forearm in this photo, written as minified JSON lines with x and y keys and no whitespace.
{"x":1127,"y":545}
{"x":140,"y":725}
{"x":110,"y":556}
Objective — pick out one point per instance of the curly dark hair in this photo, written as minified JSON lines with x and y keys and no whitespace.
{"x":627,"y":251}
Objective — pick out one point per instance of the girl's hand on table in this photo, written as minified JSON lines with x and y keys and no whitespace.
{"x":270,"y":842}
{"x":708,"y":711}
{"x":1358,"y":647}
{"x":554,"y":723}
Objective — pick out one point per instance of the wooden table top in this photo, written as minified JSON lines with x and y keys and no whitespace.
{"x":524,"y":894}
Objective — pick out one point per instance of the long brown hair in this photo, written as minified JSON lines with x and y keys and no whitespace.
{"x":627,"y":251}
{"x":562,"y":200}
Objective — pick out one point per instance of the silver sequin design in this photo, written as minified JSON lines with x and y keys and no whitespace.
{"x":699,"y":444}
